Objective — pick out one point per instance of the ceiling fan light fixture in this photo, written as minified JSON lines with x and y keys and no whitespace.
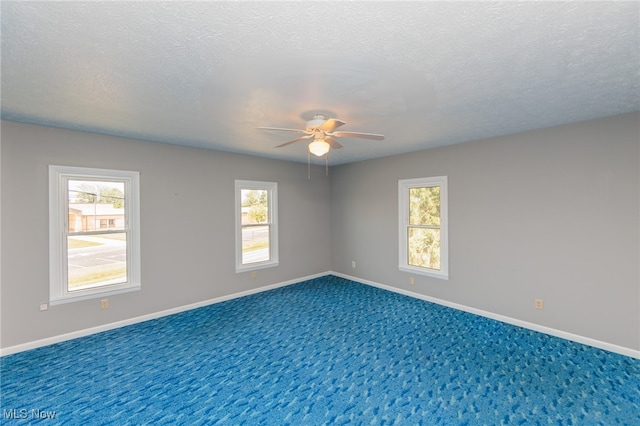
{"x":319,"y":147}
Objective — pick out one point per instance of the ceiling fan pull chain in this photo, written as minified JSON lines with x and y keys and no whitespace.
{"x":308,"y":164}
{"x":326,"y":164}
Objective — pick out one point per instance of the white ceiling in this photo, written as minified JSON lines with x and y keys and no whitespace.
{"x":425,"y":74}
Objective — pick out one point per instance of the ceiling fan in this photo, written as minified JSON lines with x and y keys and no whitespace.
{"x":322,"y":130}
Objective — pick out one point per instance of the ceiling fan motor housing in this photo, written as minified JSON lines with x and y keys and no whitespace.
{"x":316,"y":121}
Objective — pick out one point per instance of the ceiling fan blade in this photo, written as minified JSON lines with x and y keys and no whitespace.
{"x":283,"y":129}
{"x":293,"y":141}
{"x":331,"y":124}
{"x":332,"y":142}
{"x":358,"y":135}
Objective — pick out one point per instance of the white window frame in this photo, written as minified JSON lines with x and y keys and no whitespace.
{"x":404,"y":185}
{"x":58,"y":231}
{"x":272,"y":222}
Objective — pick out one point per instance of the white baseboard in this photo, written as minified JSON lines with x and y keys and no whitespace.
{"x":106,"y":327}
{"x":531,"y":326}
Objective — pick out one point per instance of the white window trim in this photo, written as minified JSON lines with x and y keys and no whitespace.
{"x":58,"y":218}
{"x":403,"y":219}
{"x":272,"y":188}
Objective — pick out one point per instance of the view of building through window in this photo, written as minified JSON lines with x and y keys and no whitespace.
{"x":96,"y":234}
{"x":255,"y":226}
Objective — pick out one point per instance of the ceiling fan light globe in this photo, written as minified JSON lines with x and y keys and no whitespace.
{"x":319,"y":147}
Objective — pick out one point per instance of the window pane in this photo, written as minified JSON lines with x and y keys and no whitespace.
{"x":255,"y":244}
{"x":255,"y":206}
{"x":95,"y":260}
{"x":424,"y":206}
{"x":95,"y":205}
{"x":423,"y":247}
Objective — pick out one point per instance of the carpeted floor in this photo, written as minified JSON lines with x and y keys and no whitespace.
{"x":324,"y":351}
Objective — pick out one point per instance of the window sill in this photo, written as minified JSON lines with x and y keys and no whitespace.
{"x":424,"y":271}
{"x":255,"y":267}
{"x":93,"y":294}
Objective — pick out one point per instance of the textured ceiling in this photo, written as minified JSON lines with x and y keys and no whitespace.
{"x":424,"y":74}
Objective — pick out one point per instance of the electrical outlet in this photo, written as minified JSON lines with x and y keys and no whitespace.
{"x":254,"y":274}
{"x":44,"y":306}
{"x":539,"y":304}
{"x":353,"y":264}
{"x":412,"y":281}
{"x":104,"y":304}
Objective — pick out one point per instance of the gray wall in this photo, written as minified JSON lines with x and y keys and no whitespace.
{"x":187,"y":226}
{"x":551,"y":214}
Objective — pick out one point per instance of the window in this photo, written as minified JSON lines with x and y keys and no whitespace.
{"x":94,"y":240}
{"x":256,"y":225}
{"x":423,"y":226}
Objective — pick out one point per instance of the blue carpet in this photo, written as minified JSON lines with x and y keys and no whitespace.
{"x":324,"y":351}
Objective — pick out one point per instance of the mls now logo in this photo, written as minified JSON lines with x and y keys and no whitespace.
{"x":23,"y":413}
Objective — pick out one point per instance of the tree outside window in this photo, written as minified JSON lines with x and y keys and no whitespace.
{"x":423,"y":244}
